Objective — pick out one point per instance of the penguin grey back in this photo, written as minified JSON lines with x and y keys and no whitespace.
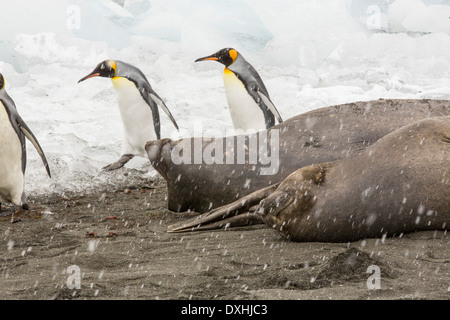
{"x":235,"y":63}
{"x":248,"y":73}
{"x":133,"y":74}
{"x":252,"y":81}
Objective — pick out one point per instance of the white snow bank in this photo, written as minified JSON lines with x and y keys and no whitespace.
{"x":310,"y":54}
{"x":415,"y":16}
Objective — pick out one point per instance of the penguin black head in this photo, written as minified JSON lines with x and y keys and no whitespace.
{"x":106,"y":69}
{"x":2,"y":82}
{"x":225,"y":56}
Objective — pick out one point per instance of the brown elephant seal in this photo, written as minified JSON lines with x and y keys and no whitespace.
{"x":399,"y":184}
{"x":321,"y":135}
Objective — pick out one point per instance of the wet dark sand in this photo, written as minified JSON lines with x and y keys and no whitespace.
{"x":118,"y":240}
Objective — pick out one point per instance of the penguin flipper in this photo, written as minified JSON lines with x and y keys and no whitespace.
{"x":163,"y":106}
{"x":27,"y":132}
{"x":151,"y":97}
{"x":270,"y":105}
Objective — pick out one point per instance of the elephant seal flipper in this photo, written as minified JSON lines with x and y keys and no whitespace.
{"x":239,"y":213}
{"x":290,"y":193}
{"x":231,"y":215}
{"x":203,"y":224}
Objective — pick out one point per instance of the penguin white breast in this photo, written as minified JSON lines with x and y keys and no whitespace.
{"x":136,"y":116}
{"x":245,"y":112}
{"x":11,"y":175}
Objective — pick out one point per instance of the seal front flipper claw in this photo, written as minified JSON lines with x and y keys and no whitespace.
{"x":237,"y":213}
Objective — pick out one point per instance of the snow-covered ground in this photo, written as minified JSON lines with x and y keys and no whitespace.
{"x":309,"y":53}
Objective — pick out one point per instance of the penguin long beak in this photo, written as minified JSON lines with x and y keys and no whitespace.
{"x":212,"y":57}
{"x":91,"y":75}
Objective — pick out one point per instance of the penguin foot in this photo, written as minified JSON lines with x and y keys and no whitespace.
{"x":119,"y":163}
{"x":12,"y":211}
{"x":6,"y":213}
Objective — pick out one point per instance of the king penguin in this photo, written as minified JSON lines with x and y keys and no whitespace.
{"x":138,"y":106}
{"x":13,"y":157}
{"x":248,"y":100}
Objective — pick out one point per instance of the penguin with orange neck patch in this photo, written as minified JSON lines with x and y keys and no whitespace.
{"x":248,"y":99}
{"x":138,"y":106}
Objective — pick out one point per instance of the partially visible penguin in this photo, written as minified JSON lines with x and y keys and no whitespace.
{"x":248,"y":99}
{"x":13,"y":157}
{"x":138,"y":105}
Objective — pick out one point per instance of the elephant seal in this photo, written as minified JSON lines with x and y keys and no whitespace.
{"x":399,"y":184}
{"x":318,"y":136}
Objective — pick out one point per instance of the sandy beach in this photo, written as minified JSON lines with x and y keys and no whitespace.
{"x":113,"y":244}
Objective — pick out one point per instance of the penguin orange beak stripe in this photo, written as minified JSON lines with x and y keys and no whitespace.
{"x":89,"y":76}
{"x":207,"y":58}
